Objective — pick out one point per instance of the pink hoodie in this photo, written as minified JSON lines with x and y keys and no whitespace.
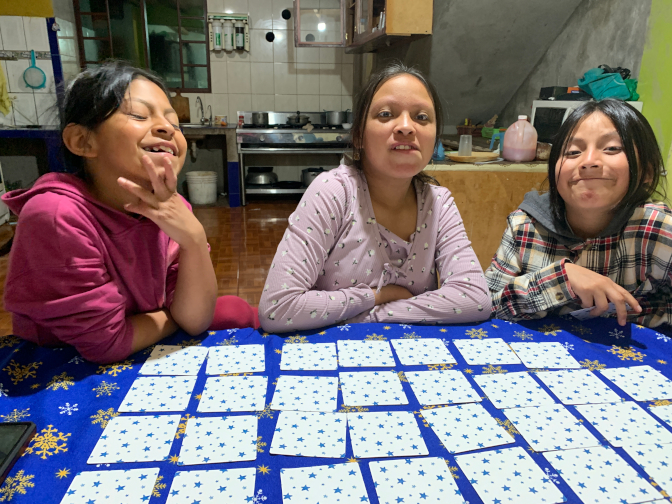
{"x":78,"y":268}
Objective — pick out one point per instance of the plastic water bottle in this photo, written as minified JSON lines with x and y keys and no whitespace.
{"x":520,"y":141}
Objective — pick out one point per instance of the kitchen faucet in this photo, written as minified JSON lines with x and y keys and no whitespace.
{"x":210,"y":120}
{"x":199,"y":105}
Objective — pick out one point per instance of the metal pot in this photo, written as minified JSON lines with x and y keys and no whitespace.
{"x":310,"y":174}
{"x":260,"y":118}
{"x":298,"y":119}
{"x":261,"y":175}
{"x":335,"y":118}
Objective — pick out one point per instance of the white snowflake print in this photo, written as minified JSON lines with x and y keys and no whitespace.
{"x":405,"y":326}
{"x":68,"y":409}
{"x":76,"y":360}
{"x":616,"y":334}
{"x":666,"y":339}
{"x":260,"y":497}
{"x":345,"y":327}
{"x":231,"y":331}
{"x":3,"y":391}
{"x":552,"y":476}
{"x":568,"y":346}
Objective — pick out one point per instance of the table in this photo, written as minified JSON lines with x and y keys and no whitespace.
{"x":72,"y":400}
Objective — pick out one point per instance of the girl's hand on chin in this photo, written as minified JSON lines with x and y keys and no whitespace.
{"x":164,"y":206}
{"x":598,"y":291}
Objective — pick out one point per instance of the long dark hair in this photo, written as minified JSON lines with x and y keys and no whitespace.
{"x":93,"y":96}
{"x":365,"y":98}
{"x":639,"y":143}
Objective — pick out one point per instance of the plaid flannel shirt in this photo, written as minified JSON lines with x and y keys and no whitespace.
{"x":527,"y":276}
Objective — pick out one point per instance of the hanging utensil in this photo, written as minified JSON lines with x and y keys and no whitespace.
{"x":33,"y":76}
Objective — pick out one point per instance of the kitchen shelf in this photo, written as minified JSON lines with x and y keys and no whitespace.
{"x":273,"y":190}
{"x":298,"y":150}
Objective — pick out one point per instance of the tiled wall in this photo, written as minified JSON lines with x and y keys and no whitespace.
{"x":274,"y":75}
{"x":28,"y":106}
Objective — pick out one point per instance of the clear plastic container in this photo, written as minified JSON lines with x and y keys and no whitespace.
{"x":520,"y":141}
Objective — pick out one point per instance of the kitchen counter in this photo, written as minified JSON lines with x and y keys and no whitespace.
{"x":500,"y":166}
{"x":207,"y":130}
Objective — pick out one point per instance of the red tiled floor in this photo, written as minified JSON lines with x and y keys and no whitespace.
{"x":242,"y":242}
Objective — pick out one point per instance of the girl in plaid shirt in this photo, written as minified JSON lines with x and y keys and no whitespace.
{"x":596,"y":237}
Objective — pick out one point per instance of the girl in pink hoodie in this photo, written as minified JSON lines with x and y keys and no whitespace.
{"x":111,"y":259}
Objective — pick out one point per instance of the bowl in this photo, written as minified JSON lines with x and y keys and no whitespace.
{"x":346,"y":126}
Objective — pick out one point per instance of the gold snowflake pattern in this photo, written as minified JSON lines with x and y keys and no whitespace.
{"x":35,"y":386}
{"x":494,"y":370}
{"x":627,"y":353}
{"x":411,"y":336}
{"x":581,"y":329}
{"x":352,"y":409}
{"x":62,"y":473}
{"x":182,"y":426}
{"x":468,"y":371}
{"x":173,"y":459}
{"x":265,"y":335}
{"x":48,"y":442}
{"x":592,"y":365}
{"x":522,"y":335}
{"x":440,"y":367}
{"x":296,"y":339}
{"x":387,"y":327}
{"x":661,"y":361}
{"x":18,"y":373}
{"x":16,"y":485}
{"x":260,"y":445}
{"x":228,"y":342}
{"x":61,"y":381}
{"x":267,"y":412}
{"x":191,"y":342}
{"x":263,"y":469}
{"x":510,"y":428}
{"x":103,"y":417}
{"x":105,"y":388}
{"x":9,"y":341}
{"x":477,"y":333}
{"x":322,"y":333}
{"x":16,"y":415}
{"x":453,"y":470}
{"x":278,"y":351}
{"x":443,"y":330}
{"x":550,"y":329}
{"x":402,"y":376}
{"x":115,"y":369}
{"x":158,"y":486}
{"x":353,"y":460}
{"x":495,"y":326}
{"x":375,"y":337}
{"x":663,"y":402}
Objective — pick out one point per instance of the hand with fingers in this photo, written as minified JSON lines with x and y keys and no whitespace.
{"x":164,"y":206}
{"x":391,"y":293}
{"x":597,"y":291}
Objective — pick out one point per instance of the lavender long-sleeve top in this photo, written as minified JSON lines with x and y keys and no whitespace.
{"x":334,"y":255}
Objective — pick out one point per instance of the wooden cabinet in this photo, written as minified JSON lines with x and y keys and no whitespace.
{"x":485,"y":197}
{"x":360,"y":25}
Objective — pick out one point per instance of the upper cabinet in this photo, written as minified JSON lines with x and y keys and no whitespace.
{"x":360,"y":25}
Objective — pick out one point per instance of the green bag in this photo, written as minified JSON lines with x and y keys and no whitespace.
{"x":632,"y":87}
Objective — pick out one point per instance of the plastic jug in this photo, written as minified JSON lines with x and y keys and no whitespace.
{"x":520,"y":141}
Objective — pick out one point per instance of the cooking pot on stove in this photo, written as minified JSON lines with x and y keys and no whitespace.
{"x":298,"y":120}
{"x":261,"y":175}
{"x":335,"y":118}
{"x":310,"y":174}
{"x":260,"y":118}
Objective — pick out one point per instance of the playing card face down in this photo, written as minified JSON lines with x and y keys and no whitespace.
{"x":130,"y":486}
{"x":328,"y":483}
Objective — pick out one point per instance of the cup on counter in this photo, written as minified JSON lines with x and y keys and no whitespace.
{"x":221,"y":120}
{"x":465,"y":146}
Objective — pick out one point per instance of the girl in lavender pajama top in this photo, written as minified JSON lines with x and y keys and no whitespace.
{"x":334,"y":255}
{"x":336,"y":263}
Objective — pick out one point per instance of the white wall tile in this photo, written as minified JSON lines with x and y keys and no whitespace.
{"x":347,"y":58}
{"x":330,"y":102}
{"x":262,"y":78}
{"x":285,"y":103}
{"x":278,"y":22}
{"x":48,"y":69}
{"x":67,"y":28}
{"x":220,"y":105}
{"x":70,"y":70}
{"x":308,"y":103}
{"x":67,"y":48}
{"x":218,"y":56}
{"x":47,"y":109}
{"x":346,"y":103}
{"x":15,"y":81}
{"x":216,"y":6}
{"x":263,"y":102}
{"x":283,"y":46}
{"x":13,"y":36}
{"x":308,"y":54}
{"x":330,"y":4}
{"x":235,"y":55}
{"x":218,"y":76}
{"x":239,"y":102}
{"x":330,"y":79}
{"x":194,"y":109}
{"x":24,"y":109}
{"x":236,"y":6}
{"x":347,"y":76}
{"x":261,"y":50}
{"x":261,"y":14}
{"x":331,"y":55}
{"x":308,"y":78}
{"x":238,"y":76}
{"x":285,"y":78}
{"x":37,"y":37}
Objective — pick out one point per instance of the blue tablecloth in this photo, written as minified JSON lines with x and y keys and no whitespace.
{"x":72,"y":400}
